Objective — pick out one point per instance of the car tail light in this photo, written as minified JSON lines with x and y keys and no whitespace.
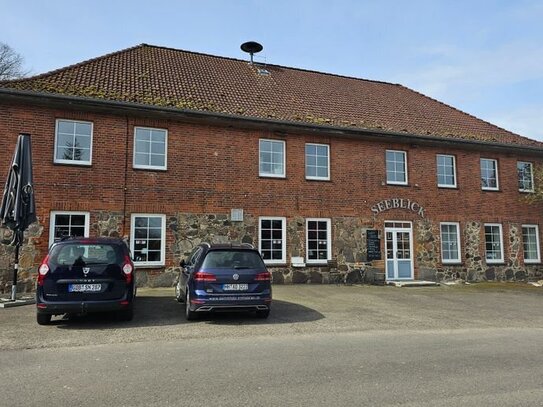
{"x":128,"y":269}
{"x":43,"y":270}
{"x":265,"y":276}
{"x":204,"y":276}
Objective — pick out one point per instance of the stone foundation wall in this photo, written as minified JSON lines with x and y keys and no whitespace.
{"x":187,"y":230}
{"x":29,"y":258}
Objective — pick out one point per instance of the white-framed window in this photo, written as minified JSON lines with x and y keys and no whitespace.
{"x":318,"y":240}
{"x":396,"y":165}
{"x":272,"y":242}
{"x":525,"y":176}
{"x":73,"y":142}
{"x":150,"y":148}
{"x":489,"y":174}
{"x":148,"y":239}
{"x":493,"y":243}
{"x":450,"y":242}
{"x":317,"y":161}
{"x":272,"y":158}
{"x":446,"y":171}
{"x":530,"y":241}
{"x":63,"y":224}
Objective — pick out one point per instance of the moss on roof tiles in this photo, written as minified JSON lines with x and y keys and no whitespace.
{"x":167,"y":77}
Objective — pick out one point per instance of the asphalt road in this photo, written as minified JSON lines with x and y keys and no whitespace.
{"x":322,"y":346}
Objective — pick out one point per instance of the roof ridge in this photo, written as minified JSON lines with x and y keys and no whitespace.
{"x":78,"y":64}
{"x":465,"y":113}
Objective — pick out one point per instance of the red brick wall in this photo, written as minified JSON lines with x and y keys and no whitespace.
{"x":213,"y":169}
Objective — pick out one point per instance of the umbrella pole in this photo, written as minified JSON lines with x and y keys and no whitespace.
{"x":15,"y":269}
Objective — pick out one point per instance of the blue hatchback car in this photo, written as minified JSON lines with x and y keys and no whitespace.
{"x":224,"y":277}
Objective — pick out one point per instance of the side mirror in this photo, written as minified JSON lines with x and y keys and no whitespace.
{"x":183,"y":264}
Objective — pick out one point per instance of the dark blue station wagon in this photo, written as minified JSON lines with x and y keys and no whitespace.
{"x":224,"y":277}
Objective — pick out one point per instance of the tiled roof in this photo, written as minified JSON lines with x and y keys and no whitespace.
{"x":187,"y":80}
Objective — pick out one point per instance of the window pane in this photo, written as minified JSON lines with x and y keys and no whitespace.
{"x":83,"y":128}
{"x":158,"y":160}
{"x":142,"y":146}
{"x":158,"y":148}
{"x":66,"y":127}
{"x":142,"y":159}
{"x":158,"y":136}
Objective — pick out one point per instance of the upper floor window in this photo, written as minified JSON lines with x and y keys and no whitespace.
{"x":148,"y":239}
{"x":525,"y":176}
{"x":64,"y":224}
{"x":318,"y":240}
{"x":396,"y":164}
{"x":317,"y":161}
{"x":73,"y":142}
{"x":450,"y":242}
{"x":493,"y":243}
{"x":150,"y":148}
{"x":530,"y":241}
{"x":272,"y":241}
{"x":446,"y":171}
{"x":489,"y":174}
{"x":272,"y":158}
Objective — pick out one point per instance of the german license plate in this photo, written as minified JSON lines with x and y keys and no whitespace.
{"x":84,"y":288}
{"x":235,"y":287}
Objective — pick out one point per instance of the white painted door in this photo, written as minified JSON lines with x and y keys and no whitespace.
{"x":399,"y":250}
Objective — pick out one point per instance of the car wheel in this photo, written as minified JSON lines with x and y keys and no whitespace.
{"x":263,"y":313}
{"x":43,"y":319}
{"x":178,"y":295}
{"x":127,"y":314}
{"x":190,"y":315}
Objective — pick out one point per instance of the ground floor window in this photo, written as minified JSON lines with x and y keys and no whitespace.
{"x":64,"y":224}
{"x":450,"y":242}
{"x":530,"y":240}
{"x":148,"y":239}
{"x":272,"y":239}
{"x":493,"y":243}
{"x":318,"y":240}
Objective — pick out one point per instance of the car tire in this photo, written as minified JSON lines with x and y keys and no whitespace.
{"x":127,"y":314}
{"x":178,"y":294}
{"x":43,"y":319}
{"x":263,"y":313}
{"x":189,"y":314}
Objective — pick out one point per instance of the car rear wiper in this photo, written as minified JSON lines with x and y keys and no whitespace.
{"x":241,"y":267}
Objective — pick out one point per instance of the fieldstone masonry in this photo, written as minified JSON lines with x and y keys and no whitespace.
{"x":348,"y":246}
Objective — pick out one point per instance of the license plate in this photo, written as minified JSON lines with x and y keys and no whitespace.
{"x":235,"y":287}
{"x":84,"y":288}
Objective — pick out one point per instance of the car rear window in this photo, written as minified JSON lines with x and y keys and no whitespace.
{"x":85,"y":254}
{"x":233,"y":259}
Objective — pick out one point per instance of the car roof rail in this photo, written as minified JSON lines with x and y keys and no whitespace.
{"x":249,"y":245}
{"x":206,"y":243}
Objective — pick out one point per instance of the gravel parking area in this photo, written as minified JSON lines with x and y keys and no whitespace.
{"x":297,"y":309}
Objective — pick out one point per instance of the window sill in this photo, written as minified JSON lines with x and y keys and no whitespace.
{"x":272,"y":176}
{"x":497,"y":263}
{"x":148,"y":266}
{"x":74,"y":164}
{"x":149,"y":169}
{"x":447,"y":187}
{"x":490,"y":190}
{"x":532,"y":263}
{"x":391,"y":184}
{"x":523,"y":191}
{"x":455,"y":263}
{"x":318,"y":179}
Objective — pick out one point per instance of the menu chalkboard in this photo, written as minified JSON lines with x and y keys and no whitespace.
{"x":373,"y":245}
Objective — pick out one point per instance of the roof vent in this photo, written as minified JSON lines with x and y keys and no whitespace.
{"x":251,"y":47}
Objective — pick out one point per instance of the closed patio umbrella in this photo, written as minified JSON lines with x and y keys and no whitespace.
{"x":18,"y":208}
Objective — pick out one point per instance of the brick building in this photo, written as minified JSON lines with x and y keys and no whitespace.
{"x":169,"y":148}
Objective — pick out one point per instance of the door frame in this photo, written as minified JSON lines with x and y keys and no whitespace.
{"x":412,"y":257}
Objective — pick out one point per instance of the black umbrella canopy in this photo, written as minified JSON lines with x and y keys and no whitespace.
{"x":18,"y":208}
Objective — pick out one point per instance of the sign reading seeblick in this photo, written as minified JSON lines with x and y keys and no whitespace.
{"x":398,"y":203}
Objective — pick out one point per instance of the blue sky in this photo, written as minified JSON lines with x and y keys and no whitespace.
{"x":482,"y":57}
